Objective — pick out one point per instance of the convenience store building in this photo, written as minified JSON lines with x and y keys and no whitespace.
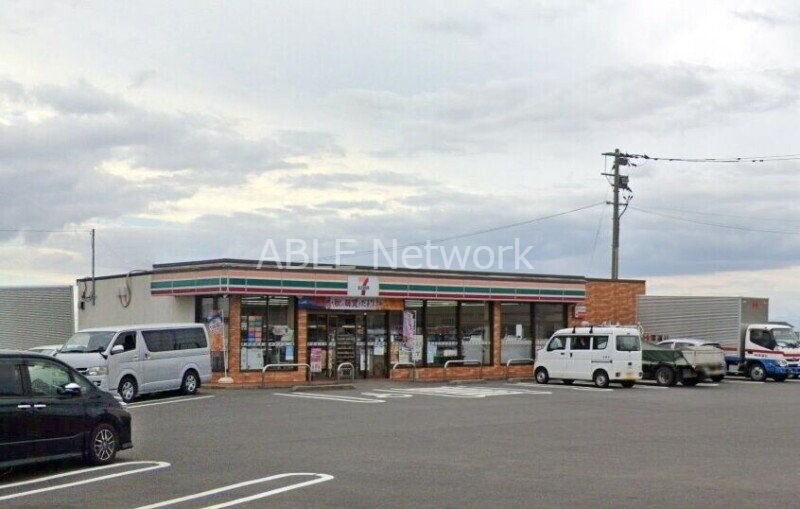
{"x":328,"y":316}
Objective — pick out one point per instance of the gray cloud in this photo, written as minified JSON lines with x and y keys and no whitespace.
{"x":54,"y":165}
{"x":494,"y":115}
{"x":334,"y":180}
{"x":141,"y":78}
{"x":465,"y":27}
{"x":769,"y":18}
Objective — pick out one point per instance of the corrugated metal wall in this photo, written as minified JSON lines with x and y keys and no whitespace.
{"x":708,"y":318}
{"x":35,"y":316}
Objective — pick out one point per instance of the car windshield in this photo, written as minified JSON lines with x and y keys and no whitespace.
{"x":788,"y":344}
{"x":83,"y":342}
{"x":784,"y":335}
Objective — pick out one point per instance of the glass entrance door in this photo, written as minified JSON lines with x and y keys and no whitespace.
{"x":377,"y":345}
{"x":358,"y":338}
{"x":345,"y":340}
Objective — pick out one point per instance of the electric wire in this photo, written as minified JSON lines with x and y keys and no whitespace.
{"x":739,"y":159}
{"x":471,"y":234}
{"x":717,"y":225}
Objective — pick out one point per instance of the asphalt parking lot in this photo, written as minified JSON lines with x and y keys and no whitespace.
{"x":434,"y":445}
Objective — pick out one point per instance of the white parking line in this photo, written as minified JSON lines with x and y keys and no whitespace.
{"x":745,"y":382}
{"x":459,"y":392}
{"x":153,"y":465}
{"x":571,"y":387}
{"x":386,"y":395}
{"x":643,"y":386}
{"x":319,"y":479}
{"x":169,"y":401}
{"x":329,"y":397}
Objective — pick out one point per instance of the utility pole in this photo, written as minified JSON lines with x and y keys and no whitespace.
{"x":94,"y":293}
{"x":618,"y":182}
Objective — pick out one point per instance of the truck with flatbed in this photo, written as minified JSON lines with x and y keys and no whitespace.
{"x":740,"y":325}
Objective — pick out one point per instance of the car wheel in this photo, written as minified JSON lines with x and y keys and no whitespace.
{"x":127,"y":389}
{"x":627,"y":384}
{"x":190,"y":382}
{"x":541,"y":376}
{"x":567,"y":382}
{"x":717,"y":378}
{"x":103,"y":444}
{"x":600,"y":379}
{"x":757,"y":373}
{"x":665,"y":376}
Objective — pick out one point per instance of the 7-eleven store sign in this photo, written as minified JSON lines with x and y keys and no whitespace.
{"x":362,"y":286}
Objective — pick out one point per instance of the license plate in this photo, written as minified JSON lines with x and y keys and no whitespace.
{"x":630,"y":376}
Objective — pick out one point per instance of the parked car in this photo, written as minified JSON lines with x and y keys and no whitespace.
{"x":791,"y":349}
{"x":706,"y":357}
{"x":49,"y":411}
{"x":599,"y":354}
{"x":45,"y":349}
{"x":141,"y":359}
{"x":667,"y":366}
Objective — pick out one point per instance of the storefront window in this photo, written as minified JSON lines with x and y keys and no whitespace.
{"x":319,"y":351}
{"x":515,"y":331}
{"x":548,"y":319}
{"x":475,"y":332}
{"x":441,"y":342}
{"x":267,"y":332}
{"x":395,"y":336}
{"x":214,"y":312}
{"x":413,"y":323}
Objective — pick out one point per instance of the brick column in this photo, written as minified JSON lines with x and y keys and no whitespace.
{"x":234,"y":335}
{"x":497,"y":315}
{"x":302,"y":336}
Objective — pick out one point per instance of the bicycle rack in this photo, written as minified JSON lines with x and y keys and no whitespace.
{"x":523,"y":360}
{"x":346,"y":365}
{"x":464,"y":362}
{"x":409,"y":364}
{"x":297,"y":365}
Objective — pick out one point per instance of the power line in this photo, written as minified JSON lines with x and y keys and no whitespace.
{"x":718,"y":214}
{"x":740,"y":159}
{"x":27,"y":230}
{"x":717,"y":225}
{"x":475,"y":233}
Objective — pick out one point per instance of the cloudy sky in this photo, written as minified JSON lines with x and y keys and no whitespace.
{"x":204,"y":129}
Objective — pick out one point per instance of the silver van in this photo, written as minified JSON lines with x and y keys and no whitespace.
{"x":141,"y":359}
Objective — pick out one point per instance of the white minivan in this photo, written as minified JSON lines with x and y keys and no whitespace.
{"x":141,"y":359}
{"x":599,"y":354}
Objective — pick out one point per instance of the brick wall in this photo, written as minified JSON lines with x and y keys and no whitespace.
{"x":609,"y":301}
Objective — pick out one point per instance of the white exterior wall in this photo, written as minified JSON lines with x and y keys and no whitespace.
{"x":144,"y":307}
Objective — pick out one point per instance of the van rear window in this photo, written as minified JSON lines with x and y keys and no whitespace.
{"x":175,"y":339}
{"x":628,"y":344}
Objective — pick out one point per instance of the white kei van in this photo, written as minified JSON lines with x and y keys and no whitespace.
{"x":600,"y":354}
{"x":140,"y":359}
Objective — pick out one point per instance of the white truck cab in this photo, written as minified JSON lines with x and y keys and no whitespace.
{"x":601,"y":354}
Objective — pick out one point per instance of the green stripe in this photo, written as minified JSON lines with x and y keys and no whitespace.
{"x":331,"y":284}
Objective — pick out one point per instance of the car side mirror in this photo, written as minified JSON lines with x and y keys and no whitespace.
{"x":117,"y":349}
{"x":70,"y":389}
